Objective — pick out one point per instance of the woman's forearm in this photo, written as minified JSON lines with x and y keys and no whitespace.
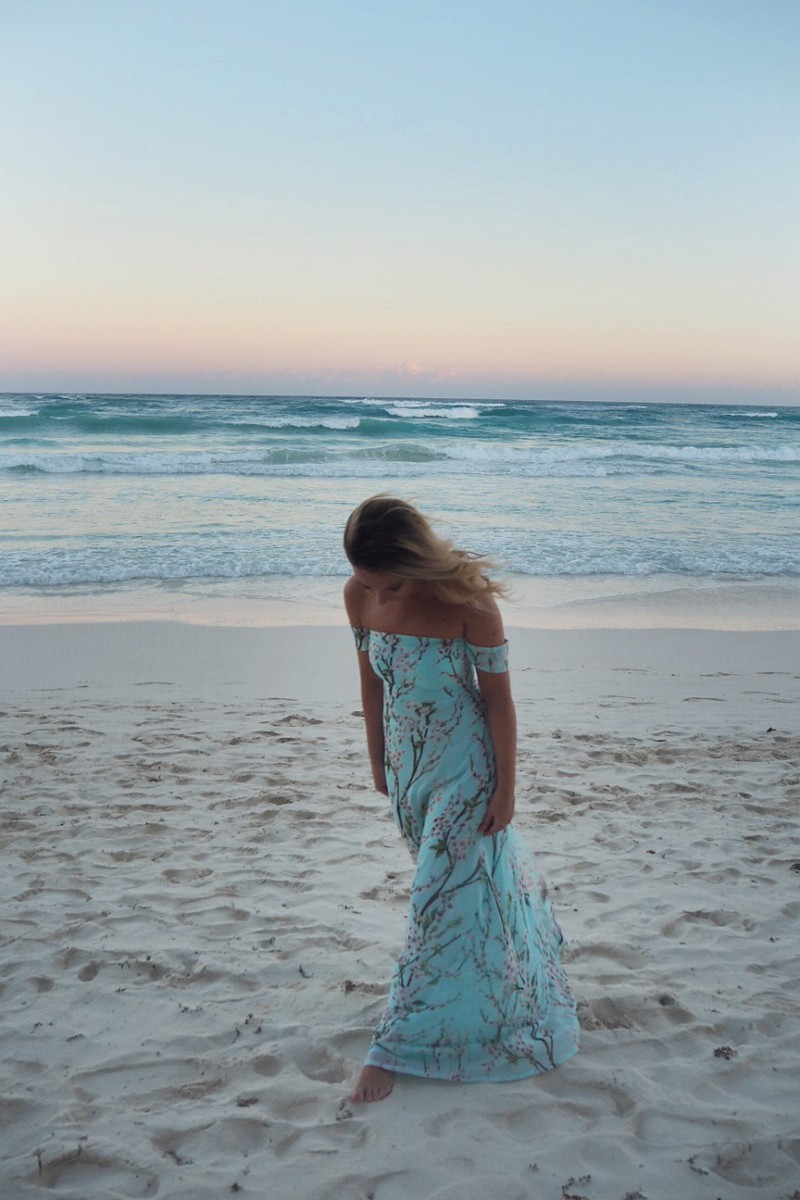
{"x":373,"y":722}
{"x":372,"y":705}
{"x":502,"y":721}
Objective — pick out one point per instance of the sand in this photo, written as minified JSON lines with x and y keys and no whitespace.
{"x":203,"y":897}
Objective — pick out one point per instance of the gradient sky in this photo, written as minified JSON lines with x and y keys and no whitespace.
{"x":404,"y":197}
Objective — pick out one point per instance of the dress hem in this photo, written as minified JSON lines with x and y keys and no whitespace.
{"x":527,"y":1073}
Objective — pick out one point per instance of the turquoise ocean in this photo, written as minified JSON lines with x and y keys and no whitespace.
{"x":108,"y":496}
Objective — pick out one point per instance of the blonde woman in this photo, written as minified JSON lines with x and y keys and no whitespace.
{"x":479,"y":992}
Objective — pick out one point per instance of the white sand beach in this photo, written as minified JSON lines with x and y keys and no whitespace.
{"x":203,"y":898}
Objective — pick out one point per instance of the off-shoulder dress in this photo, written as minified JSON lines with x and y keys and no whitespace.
{"x":479,"y":991}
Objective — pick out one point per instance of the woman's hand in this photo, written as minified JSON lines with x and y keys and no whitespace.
{"x":499,"y":813}
{"x":379,"y":779}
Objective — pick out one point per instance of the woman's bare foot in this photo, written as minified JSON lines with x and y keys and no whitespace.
{"x":373,"y":1084}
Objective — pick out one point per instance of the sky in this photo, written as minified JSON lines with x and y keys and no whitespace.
{"x":432,"y":197}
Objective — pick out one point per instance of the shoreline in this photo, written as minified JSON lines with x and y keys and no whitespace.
{"x":670,"y":677}
{"x":565,"y":603}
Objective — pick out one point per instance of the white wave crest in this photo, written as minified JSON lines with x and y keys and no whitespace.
{"x":298,"y":422}
{"x":390,"y":458}
{"x":406,"y":403}
{"x":188,"y":558}
{"x":126,"y":463}
{"x":649,"y":452}
{"x":461,"y":412}
{"x":760,"y":412}
{"x":377,"y":466}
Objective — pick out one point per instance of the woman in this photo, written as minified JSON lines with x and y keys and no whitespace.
{"x":479,"y":991}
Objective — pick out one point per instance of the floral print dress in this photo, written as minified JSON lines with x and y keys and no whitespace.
{"x":479,"y":992}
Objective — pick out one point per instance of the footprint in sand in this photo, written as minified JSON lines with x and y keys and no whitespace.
{"x":83,"y":1173}
{"x":235,"y":1135}
{"x":607,"y":1013}
{"x":187,"y":874}
{"x":317,"y":1063}
{"x":296,"y":719}
{"x":267,"y":1064}
{"x":719,"y":917}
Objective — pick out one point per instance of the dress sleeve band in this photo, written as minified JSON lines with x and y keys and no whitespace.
{"x":489,"y":658}
{"x":361,"y":636}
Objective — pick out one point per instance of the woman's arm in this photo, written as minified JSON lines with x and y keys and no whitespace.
{"x":372,"y":704}
{"x":485,"y":628}
{"x":501,"y":718}
{"x":371,"y":694}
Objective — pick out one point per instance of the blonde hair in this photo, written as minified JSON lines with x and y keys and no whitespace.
{"x":390,"y":536}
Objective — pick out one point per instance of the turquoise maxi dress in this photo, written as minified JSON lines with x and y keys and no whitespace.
{"x":479,"y":992}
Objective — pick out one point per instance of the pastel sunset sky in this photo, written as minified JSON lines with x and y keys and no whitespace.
{"x":401,"y":197}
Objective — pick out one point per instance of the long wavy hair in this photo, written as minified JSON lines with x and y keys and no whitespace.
{"x":390,"y":536}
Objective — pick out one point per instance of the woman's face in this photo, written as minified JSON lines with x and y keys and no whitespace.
{"x":385,"y":588}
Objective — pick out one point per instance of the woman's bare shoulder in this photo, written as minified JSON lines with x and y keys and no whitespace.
{"x":353,"y":600}
{"x":484,"y":626}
